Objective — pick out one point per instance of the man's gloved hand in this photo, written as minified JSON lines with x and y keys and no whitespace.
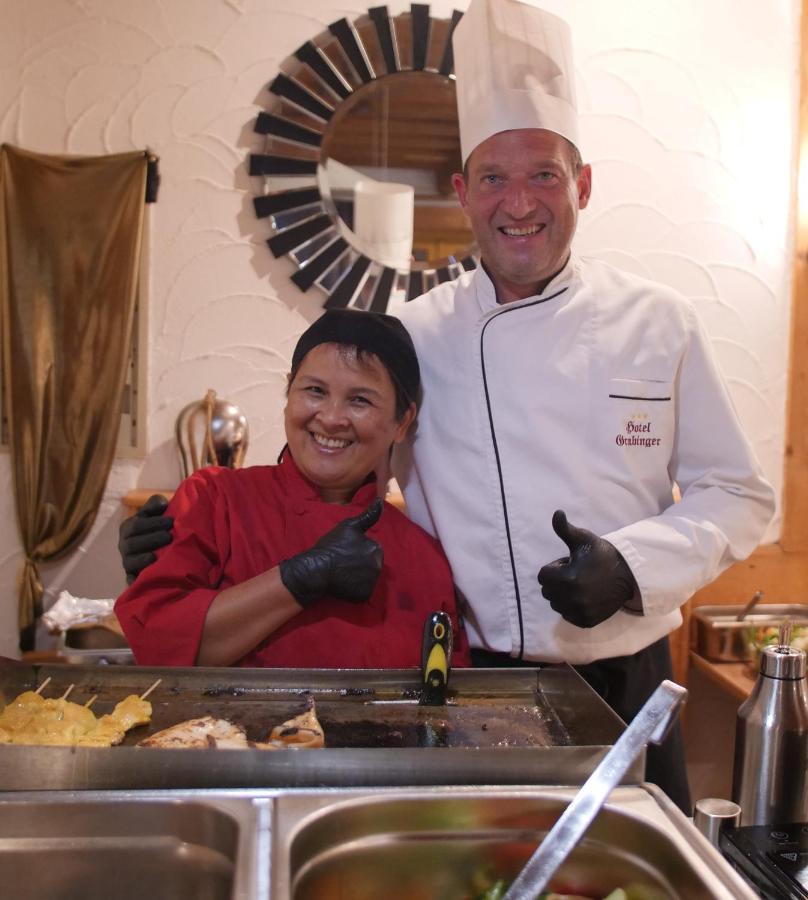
{"x":142,"y":534}
{"x":344,"y":563}
{"x":592,"y":583}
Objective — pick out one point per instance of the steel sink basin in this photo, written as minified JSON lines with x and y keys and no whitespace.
{"x":121,"y":848}
{"x":453,"y":846}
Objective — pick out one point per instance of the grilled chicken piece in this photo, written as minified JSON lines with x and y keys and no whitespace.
{"x":20,"y":711}
{"x":199,"y":734}
{"x":38,"y":721}
{"x":111,"y":729}
{"x":131,"y":711}
{"x":301,"y":732}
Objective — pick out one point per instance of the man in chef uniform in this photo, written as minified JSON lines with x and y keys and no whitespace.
{"x":558,"y":390}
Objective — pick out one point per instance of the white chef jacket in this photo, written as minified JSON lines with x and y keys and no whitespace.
{"x":594,"y":397}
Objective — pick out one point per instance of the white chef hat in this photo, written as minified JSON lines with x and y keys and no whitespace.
{"x":514,"y":68}
{"x":384,"y":215}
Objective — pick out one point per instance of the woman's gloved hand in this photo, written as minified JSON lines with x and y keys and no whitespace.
{"x":142,"y":534}
{"x":592,"y":583}
{"x":344,"y":563}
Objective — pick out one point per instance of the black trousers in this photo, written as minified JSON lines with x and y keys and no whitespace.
{"x":625,"y":683}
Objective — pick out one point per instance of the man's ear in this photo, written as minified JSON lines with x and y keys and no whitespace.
{"x":584,"y":186}
{"x":461,"y":188}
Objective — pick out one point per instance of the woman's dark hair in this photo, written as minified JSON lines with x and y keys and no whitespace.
{"x":352,"y":353}
{"x":362,"y":336}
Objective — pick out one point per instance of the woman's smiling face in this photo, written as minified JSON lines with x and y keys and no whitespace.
{"x":340,"y":419}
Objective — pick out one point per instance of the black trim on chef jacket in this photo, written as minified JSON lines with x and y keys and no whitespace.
{"x":633,"y":397}
{"x":507,"y":309}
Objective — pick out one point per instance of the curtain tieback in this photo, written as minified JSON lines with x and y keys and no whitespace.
{"x":29,"y":591}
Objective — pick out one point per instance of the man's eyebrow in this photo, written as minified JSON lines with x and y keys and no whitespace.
{"x":490,"y":169}
{"x":494,"y":168}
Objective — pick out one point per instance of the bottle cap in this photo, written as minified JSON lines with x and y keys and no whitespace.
{"x":782,"y":662}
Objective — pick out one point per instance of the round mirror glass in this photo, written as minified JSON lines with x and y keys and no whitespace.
{"x":388,"y":155}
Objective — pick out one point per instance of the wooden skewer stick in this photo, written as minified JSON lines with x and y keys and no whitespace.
{"x":147,"y":692}
{"x":67,"y":692}
{"x":90,"y":702}
{"x":43,"y":685}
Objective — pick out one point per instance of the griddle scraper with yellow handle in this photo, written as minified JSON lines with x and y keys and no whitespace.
{"x":436,"y":659}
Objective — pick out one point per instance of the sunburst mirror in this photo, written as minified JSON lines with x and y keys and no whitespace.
{"x":361,"y":139}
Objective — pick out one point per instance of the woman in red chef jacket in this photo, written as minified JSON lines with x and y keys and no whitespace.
{"x":300,"y":564}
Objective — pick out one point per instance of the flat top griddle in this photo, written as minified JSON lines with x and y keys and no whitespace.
{"x":532,"y":725}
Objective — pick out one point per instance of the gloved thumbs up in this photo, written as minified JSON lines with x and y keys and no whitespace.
{"x":573,"y":537}
{"x":592,"y":583}
{"x":368,"y":518}
{"x":344,"y":563}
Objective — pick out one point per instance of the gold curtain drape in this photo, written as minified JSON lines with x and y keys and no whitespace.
{"x":70,"y":240}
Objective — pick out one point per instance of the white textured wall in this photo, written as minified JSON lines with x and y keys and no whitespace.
{"x":688,"y":116}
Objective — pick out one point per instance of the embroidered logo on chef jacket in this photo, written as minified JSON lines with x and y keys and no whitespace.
{"x":638,"y":432}
{"x":642,"y":397}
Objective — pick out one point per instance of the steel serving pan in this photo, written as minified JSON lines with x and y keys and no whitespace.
{"x":719,"y":637}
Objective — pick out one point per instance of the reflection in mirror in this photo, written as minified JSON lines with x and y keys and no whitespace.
{"x":387,"y":159}
{"x":360,"y":139}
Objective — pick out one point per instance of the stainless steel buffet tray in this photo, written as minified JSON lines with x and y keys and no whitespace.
{"x":433,"y":843}
{"x":720,"y":637}
{"x":505,"y":726}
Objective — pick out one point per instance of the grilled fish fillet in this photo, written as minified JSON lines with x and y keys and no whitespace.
{"x":303,"y":731}
{"x":199,"y":734}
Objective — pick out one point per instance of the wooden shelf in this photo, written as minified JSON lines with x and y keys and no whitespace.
{"x":735,"y":678}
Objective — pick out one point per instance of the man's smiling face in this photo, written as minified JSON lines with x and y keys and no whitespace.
{"x":522,"y":194}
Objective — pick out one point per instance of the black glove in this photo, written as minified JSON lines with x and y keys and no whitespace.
{"x":344,"y":563}
{"x":142,"y":534}
{"x":592,"y":583}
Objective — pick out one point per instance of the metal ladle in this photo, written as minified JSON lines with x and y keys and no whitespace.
{"x":756,"y":598}
{"x":649,"y":725}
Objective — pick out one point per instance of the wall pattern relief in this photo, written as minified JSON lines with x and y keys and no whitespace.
{"x":688,"y":114}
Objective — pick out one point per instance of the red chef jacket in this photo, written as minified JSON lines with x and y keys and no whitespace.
{"x":233,"y":524}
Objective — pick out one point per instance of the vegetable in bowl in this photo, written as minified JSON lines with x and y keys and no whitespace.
{"x":760,"y":637}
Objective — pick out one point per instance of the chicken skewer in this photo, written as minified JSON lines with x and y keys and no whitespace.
{"x":149,"y":690}
{"x":30,"y":719}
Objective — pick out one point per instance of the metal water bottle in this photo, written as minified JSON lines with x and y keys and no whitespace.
{"x":770,"y":775}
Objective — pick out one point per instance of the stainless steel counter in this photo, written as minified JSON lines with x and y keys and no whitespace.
{"x":514,"y":726}
{"x":404,"y":800}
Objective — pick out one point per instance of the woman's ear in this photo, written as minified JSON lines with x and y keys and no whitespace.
{"x":404,"y":424}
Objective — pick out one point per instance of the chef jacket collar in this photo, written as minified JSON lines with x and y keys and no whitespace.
{"x":300,"y":488}
{"x":487,"y":295}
